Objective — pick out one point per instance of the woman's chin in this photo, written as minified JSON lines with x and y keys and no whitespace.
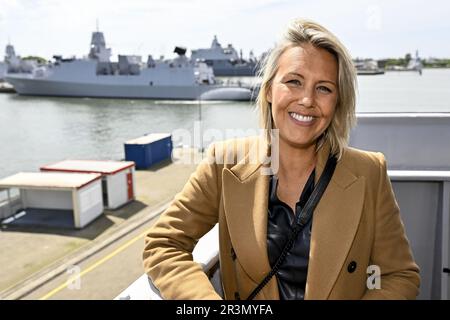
{"x":300,"y":143}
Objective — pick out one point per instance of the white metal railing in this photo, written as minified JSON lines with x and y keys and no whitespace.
{"x":410,"y":141}
{"x":424,"y":200}
{"x":206,"y":252}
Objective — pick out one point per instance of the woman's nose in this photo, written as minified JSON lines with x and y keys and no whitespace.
{"x":306,"y":101}
{"x":306,"y":97}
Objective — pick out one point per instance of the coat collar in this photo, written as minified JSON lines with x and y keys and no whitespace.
{"x":335,"y":222}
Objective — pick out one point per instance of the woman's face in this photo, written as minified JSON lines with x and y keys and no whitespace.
{"x":304,"y":94}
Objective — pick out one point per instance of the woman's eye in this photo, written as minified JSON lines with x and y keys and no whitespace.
{"x":324,"y":89}
{"x":294,"y":81}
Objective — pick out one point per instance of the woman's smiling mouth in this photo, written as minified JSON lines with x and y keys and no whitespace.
{"x":301,"y":119}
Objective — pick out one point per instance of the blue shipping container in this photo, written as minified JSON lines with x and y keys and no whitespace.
{"x":149,"y":149}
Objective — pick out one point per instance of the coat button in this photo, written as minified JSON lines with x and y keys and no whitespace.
{"x":351,"y":267}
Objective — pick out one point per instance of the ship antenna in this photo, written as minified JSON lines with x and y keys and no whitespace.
{"x":96,"y":23}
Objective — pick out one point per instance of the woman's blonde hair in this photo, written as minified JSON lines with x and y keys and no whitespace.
{"x":301,"y":32}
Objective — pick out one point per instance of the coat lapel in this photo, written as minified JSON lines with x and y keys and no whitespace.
{"x":245,"y":198}
{"x":245,"y":204}
{"x":335,"y":223}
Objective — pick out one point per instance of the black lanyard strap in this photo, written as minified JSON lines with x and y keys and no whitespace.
{"x":301,"y":220}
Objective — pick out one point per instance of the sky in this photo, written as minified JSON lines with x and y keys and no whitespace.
{"x":368,"y":28}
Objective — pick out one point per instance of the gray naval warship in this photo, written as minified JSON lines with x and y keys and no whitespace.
{"x":226,"y":61}
{"x":3,"y":68}
{"x":96,"y":76}
{"x":14,"y":63}
{"x":9,"y":52}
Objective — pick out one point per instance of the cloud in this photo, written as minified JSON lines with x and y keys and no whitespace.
{"x":367,"y":27}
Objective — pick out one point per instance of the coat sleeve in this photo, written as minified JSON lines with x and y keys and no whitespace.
{"x":391,"y":251}
{"x":169,"y":243}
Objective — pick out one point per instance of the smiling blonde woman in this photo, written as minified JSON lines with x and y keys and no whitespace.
{"x":312,"y":228}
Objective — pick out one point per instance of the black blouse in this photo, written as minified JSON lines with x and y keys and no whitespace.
{"x":292,"y":273}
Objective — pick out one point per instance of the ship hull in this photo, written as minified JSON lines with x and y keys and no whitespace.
{"x":369,"y":72}
{"x":226,"y":69}
{"x":42,"y":87}
{"x":235,"y":72}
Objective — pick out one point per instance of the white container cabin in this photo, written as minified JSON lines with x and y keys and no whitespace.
{"x":118,"y":181}
{"x":53,"y":199}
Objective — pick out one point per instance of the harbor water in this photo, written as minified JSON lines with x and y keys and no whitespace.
{"x":39,"y":130}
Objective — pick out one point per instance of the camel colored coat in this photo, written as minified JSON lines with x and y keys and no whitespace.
{"x":356,"y":224}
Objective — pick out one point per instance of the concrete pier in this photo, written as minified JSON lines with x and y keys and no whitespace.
{"x":33,"y":258}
